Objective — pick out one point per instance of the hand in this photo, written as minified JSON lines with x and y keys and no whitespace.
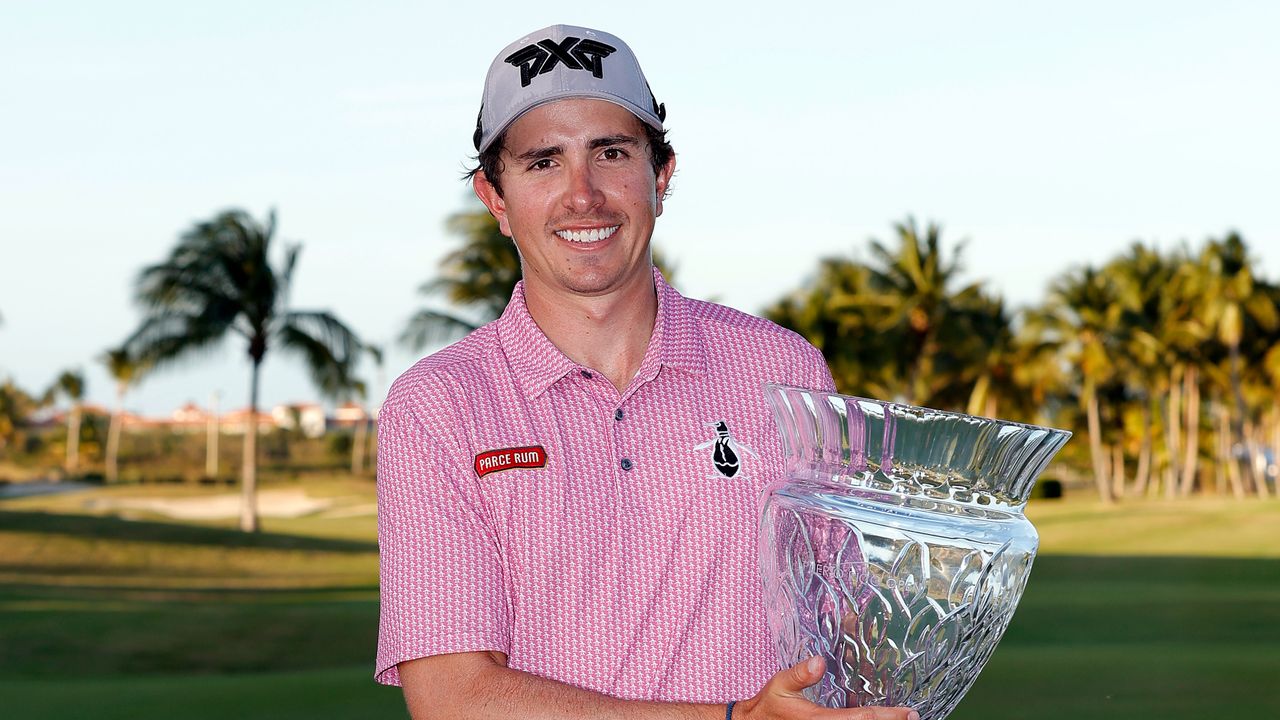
{"x":780,"y":698}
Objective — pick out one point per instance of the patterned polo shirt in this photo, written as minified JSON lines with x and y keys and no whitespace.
{"x":603,"y":539}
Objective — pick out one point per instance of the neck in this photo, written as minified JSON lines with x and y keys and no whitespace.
{"x":608,"y":333}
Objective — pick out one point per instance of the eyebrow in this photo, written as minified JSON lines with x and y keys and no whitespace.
{"x":540,"y":153}
{"x":594,"y":144}
{"x":610,"y":140}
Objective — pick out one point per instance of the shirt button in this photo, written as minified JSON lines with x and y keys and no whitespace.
{"x":586,"y":374}
{"x":617,"y":415}
{"x":626,"y":464}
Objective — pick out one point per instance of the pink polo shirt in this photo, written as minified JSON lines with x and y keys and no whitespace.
{"x":600,"y":539}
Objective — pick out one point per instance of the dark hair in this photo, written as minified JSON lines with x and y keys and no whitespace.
{"x":489,"y":161}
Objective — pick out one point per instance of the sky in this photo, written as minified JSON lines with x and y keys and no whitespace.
{"x":1045,"y":135}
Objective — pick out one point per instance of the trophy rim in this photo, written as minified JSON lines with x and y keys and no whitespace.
{"x":1066,"y":434}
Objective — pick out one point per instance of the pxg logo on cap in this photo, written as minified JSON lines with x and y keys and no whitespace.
{"x":575,"y":53}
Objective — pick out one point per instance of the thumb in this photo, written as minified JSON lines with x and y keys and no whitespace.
{"x":802,"y":674}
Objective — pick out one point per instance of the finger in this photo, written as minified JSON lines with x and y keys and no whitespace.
{"x":801,"y":675}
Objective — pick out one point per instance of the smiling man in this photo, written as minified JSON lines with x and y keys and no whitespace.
{"x":568,"y":496}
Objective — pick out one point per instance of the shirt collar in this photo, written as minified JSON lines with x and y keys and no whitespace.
{"x":537,"y":364}
{"x":677,"y":338}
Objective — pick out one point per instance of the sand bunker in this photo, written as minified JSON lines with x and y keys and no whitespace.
{"x":271,"y":503}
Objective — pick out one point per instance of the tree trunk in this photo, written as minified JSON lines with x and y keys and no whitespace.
{"x":1191,"y":461}
{"x":1238,"y":421}
{"x":113,"y":437}
{"x":922,"y":368}
{"x":1117,"y":470}
{"x":73,"y":440}
{"x":1173,"y":431}
{"x":978,"y":396}
{"x":1257,"y":469}
{"x":212,"y":432}
{"x":1221,"y":445}
{"x":357,"y":446}
{"x":1143,"y":474}
{"x":1225,"y":456}
{"x":249,"y":481}
{"x":1095,"y":447}
{"x":1275,"y":438}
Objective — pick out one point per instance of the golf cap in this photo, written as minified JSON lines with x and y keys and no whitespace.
{"x":560,"y":62}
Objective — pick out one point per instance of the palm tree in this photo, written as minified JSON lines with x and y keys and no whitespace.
{"x":127,"y":372}
{"x":897,"y":328}
{"x":219,"y":281}
{"x":477,"y":278}
{"x":1169,"y":302}
{"x":837,"y":312}
{"x":70,"y":384}
{"x":916,"y":281}
{"x":1259,"y":351}
{"x":1087,"y":307}
{"x":1157,"y":344}
{"x":15,"y":407}
{"x":1010,"y":366}
{"x":1040,"y":380}
{"x":977,"y":351}
{"x":1270,"y":365}
{"x":1230,"y":298}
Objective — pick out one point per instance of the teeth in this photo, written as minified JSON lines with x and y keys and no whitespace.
{"x":587,"y":236}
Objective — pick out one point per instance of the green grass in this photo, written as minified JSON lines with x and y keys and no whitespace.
{"x":1167,"y":637}
{"x":1149,"y":609}
{"x":1114,"y":682}
{"x":1197,"y":527}
{"x":338,"y":693}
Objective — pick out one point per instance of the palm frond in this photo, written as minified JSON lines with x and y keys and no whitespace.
{"x":428,"y":327}
{"x":123,"y":367}
{"x":483,"y":270}
{"x":164,"y":339}
{"x":69,"y":383}
{"x":329,"y":348}
{"x":291,"y":253}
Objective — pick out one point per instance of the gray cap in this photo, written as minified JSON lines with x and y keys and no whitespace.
{"x":559,"y":62}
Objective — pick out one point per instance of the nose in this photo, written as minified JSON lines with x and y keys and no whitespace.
{"x":582,"y":194}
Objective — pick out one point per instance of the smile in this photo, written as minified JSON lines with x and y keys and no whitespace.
{"x":588,"y":236}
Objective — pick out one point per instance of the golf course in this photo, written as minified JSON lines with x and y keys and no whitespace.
{"x":110,"y":607}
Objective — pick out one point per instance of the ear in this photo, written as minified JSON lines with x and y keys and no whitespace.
{"x":488,"y":195}
{"x":663,"y":180}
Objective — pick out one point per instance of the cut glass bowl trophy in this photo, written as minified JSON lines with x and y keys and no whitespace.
{"x":896,"y":547}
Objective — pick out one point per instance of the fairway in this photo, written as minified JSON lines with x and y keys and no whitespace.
{"x":150,"y":618}
{"x":342,"y":693}
{"x":1123,"y":637}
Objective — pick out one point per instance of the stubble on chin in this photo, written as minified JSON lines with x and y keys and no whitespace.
{"x":587,"y":278}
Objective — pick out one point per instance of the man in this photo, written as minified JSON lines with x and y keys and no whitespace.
{"x":568,"y":496}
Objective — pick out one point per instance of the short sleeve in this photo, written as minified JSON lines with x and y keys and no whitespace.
{"x":442,"y":588}
{"x":816,"y":375}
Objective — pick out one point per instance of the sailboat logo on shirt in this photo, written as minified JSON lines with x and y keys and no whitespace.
{"x":726,"y":452}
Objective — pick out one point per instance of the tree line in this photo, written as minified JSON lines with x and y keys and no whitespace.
{"x":222,"y":279}
{"x":1169,"y":361}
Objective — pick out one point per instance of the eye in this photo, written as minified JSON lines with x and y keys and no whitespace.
{"x":614,"y":153}
{"x":543,"y":164}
